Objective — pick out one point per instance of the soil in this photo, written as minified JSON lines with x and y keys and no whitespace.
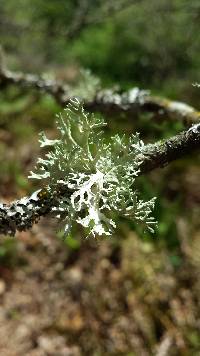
{"x":101,"y":298}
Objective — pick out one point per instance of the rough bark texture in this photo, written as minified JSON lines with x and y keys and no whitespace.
{"x":162,"y":153}
{"x":23,"y":213}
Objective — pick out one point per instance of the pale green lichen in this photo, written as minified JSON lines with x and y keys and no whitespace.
{"x":100,"y":175}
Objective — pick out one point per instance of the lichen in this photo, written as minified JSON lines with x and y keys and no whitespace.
{"x":99,"y":174}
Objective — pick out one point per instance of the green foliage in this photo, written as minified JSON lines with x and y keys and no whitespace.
{"x":8,"y":252}
{"x":98,"y":175}
{"x":145,"y":44}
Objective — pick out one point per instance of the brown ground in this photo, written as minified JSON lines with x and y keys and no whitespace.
{"x":103,"y":298}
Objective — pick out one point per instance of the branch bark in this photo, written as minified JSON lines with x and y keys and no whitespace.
{"x":108,"y":102}
{"x":22,"y":214}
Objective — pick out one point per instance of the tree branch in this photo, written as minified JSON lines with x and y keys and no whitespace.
{"x":108,"y":102}
{"x":160,"y":154}
{"x":22,"y":214}
{"x":136,"y":101}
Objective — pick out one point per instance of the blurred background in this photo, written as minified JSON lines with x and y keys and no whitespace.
{"x":134,"y":293}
